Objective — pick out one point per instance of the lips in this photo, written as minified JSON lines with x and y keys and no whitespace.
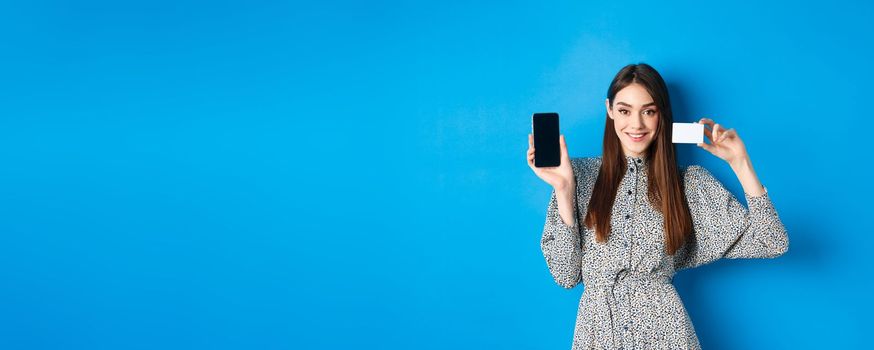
{"x":637,"y":136}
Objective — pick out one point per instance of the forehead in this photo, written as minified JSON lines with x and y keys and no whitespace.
{"x":634,"y":95}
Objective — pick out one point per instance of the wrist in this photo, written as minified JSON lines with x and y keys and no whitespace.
{"x":742,"y":164}
{"x":566,"y":191}
{"x":743,"y":169}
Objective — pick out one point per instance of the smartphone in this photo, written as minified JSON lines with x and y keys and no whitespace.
{"x":547,"y":152}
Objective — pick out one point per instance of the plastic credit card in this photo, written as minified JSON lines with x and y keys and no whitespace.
{"x":687,"y":133}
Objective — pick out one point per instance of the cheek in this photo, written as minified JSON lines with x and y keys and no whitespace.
{"x":618,"y":127}
{"x":618,"y":124}
{"x":653,"y":123}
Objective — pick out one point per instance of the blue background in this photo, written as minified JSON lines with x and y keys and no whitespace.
{"x":326,"y":175}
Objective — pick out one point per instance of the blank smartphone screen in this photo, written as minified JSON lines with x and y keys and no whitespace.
{"x":546,"y":147}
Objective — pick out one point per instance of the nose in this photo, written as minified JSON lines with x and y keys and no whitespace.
{"x":636,"y":122}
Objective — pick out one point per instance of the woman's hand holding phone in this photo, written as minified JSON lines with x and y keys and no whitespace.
{"x":561,"y":177}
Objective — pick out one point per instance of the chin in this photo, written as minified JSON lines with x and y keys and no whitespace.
{"x":636,"y":147}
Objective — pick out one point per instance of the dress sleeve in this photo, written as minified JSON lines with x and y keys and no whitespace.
{"x":723,"y":228}
{"x":561,"y":244}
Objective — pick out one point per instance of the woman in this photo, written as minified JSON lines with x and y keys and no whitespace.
{"x":643,"y":219}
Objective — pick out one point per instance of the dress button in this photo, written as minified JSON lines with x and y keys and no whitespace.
{"x":627,"y":216}
{"x":638,"y":161}
{"x":629,"y":191}
{"x":631,"y":169}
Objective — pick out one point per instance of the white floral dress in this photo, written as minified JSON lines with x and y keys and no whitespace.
{"x":629,"y":301}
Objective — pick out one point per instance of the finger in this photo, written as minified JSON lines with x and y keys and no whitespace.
{"x":531,"y":151}
{"x":709,"y":134}
{"x":716,"y":133}
{"x":563,"y":145}
{"x":725,"y":135}
{"x":708,"y":128}
{"x":706,"y":147}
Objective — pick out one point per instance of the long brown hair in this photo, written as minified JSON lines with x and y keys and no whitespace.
{"x":665,"y":191}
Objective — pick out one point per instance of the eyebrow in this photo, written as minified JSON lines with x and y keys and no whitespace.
{"x":625,"y":104}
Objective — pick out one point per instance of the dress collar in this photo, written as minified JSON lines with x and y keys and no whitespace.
{"x":636,"y":162}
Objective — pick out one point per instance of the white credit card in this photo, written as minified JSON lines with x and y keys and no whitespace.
{"x":687,"y":133}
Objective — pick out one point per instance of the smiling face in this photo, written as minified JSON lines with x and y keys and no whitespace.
{"x":635,"y":118}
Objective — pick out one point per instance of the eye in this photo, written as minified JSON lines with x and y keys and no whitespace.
{"x":623,"y":111}
{"x":649,"y":112}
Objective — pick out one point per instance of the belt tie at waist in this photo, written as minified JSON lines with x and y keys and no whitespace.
{"x":604,"y":294}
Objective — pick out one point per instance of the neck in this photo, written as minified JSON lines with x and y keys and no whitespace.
{"x":633,"y":154}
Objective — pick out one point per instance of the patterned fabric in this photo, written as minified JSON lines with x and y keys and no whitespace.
{"x":629,"y":301}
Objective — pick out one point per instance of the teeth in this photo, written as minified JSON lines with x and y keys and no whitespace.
{"x":636,"y":135}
